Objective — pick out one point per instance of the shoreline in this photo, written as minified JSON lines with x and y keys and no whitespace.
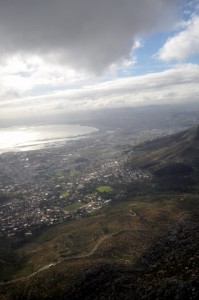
{"x":49,"y":143}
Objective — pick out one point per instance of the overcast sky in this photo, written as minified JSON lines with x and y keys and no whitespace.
{"x":66,"y":55}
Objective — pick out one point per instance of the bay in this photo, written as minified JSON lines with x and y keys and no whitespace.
{"x":22,"y":138}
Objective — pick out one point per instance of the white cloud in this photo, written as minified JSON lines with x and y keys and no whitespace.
{"x":30,"y":74}
{"x":182,"y":45}
{"x":83,"y":34}
{"x":24,"y":74}
{"x":177,"y":84}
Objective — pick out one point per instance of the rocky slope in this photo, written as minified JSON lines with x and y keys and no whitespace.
{"x":169,"y":270}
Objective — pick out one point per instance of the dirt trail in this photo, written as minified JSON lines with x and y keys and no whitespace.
{"x":67,"y":258}
{"x":61,"y":260}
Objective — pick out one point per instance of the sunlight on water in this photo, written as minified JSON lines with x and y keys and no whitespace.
{"x":13,"y":138}
{"x":36,"y":137}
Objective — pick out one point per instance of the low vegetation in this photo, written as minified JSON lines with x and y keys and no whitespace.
{"x":104,"y":189}
{"x":117,"y":252}
{"x":73,"y":207}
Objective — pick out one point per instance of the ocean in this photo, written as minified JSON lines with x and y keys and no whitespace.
{"x":26,"y":138}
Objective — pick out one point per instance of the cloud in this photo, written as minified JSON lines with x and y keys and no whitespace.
{"x":182,"y":45}
{"x":23,"y":75}
{"x":82,"y":34}
{"x":175,"y":85}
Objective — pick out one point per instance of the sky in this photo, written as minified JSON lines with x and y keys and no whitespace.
{"x":61,"y":56}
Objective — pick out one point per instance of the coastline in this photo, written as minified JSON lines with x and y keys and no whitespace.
{"x":47,"y":140}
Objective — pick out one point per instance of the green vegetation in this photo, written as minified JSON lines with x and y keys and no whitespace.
{"x":58,"y":174}
{"x":73,"y":172}
{"x":73,"y":207}
{"x":94,"y":194}
{"x":173,"y":161}
{"x":65,"y":195}
{"x":135,"y":223}
{"x":104,"y":189}
{"x":123,"y":231}
{"x":182,"y":147}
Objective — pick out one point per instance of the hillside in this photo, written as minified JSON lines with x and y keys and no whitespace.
{"x":180,"y":147}
{"x":168,"y":270}
{"x":172,"y":160}
{"x":143,"y":246}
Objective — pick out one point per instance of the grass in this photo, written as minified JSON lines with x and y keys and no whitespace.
{"x":74,"y":172}
{"x":104,"y":189}
{"x":58,"y":174}
{"x":127,"y":234}
{"x":154,"y":215}
{"x":73,"y":207}
{"x":180,"y":147}
{"x":65,"y":195}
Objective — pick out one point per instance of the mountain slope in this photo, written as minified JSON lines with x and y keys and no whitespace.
{"x":173,"y":161}
{"x":169,"y":270}
{"x":126,"y":263}
{"x":180,"y":147}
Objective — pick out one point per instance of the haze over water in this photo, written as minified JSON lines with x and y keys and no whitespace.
{"x":20,"y":138}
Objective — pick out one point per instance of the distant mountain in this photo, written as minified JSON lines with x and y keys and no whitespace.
{"x":172,"y":160}
{"x":182,"y":147}
{"x":124,"y":265}
{"x":169,"y":269}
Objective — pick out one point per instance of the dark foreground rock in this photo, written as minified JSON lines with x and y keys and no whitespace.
{"x":169,"y":270}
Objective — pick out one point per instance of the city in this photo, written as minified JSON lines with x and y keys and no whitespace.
{"x":50,"y":186}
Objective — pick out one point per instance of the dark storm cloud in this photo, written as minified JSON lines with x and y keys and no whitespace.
{"x":88,"y":34}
